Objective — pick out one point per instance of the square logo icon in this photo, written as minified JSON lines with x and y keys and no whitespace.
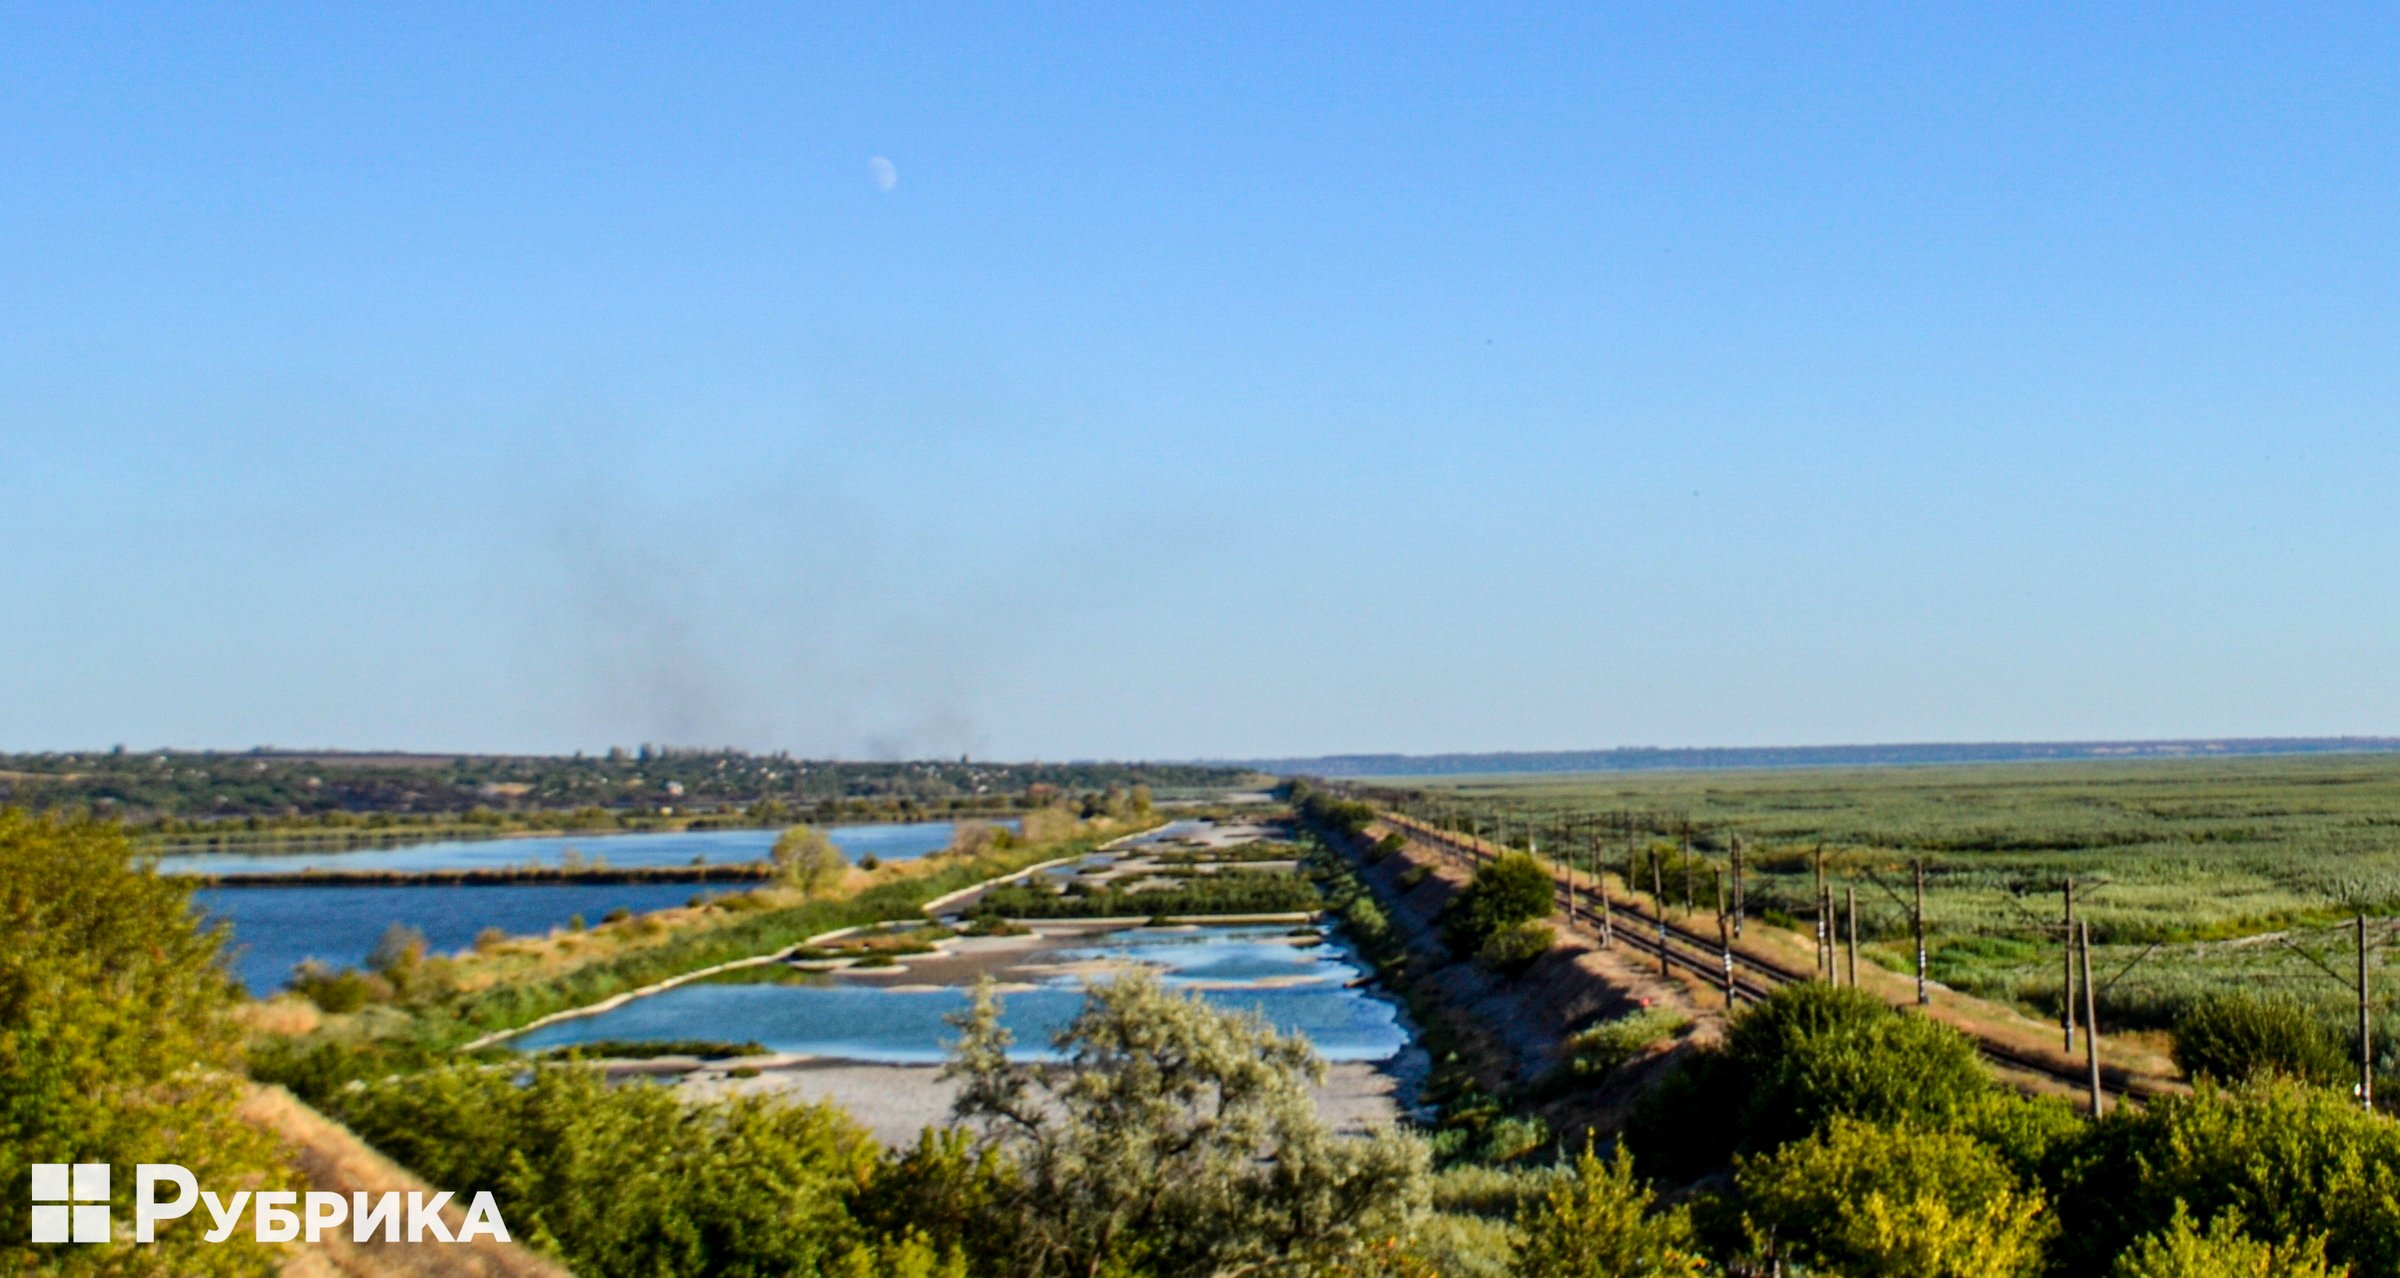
{"x":70,"y":1202}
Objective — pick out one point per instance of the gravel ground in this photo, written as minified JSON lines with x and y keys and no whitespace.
{"x":898,"y":1101}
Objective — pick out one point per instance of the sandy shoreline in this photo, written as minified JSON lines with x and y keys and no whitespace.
{"x":896,"y":1102}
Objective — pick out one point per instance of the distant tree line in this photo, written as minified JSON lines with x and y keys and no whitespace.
{"x":177,"y":793}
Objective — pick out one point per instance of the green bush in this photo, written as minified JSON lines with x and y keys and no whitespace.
{"x":1866,"y":1201}
{"x":1385,"y":846}
{"x":1808,"y":1054}
{"x":1601,"y":1048}
{"x":2233,"y":1036}
{"x":630,"y":1180}
{"x":1514,"y":948}
{"x":338,"y":992}
{"x":1602,"y":1223}
{"x":2182,"y":1251}
{"x":1505,"y":892}
{"x":115,"y":1046}
{"x":1243,"y":893}
{"x":2294,"y":1161}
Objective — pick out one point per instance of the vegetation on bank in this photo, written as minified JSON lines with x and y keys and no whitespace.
{"x":421,"y":1007}
{"x":1826,"y":1134}
{"x":2191,"y":874}
{"x":116,"y":1045}
{"x":1235,"y":893}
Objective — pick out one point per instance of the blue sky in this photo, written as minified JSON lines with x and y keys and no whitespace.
{"x":1211,"y":380}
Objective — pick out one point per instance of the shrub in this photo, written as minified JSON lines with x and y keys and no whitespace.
{"x":1514,"y":948}
{"x":1601,"y":1048}
{"x":2233,"y":1036}
{"x":2181,"y":1251}
{"x":1789,"y":1065}
{"x":1215,"y":894}
{"x":807,"y":859}
{"x":1349,"y":816}
{"x":1892,"y":1202}
{"x":1414,"y":875}
{"x":400,"y":948}
{"x":1385,"y":846}
{"x":2294,"y":1161}
{"x":629,"y":1180}
{"x":115,"y":1046}
{"x":1600,"y":1223}
{"x":1178,"y":1139}
{"x":338,"y":992}
{"x":1507,"y":891}
{"x":617,"y":915}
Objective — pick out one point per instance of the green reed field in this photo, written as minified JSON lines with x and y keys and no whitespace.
{"x":2197,"y":864}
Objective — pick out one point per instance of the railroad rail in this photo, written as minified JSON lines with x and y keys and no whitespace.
{"x":1749,"y":978}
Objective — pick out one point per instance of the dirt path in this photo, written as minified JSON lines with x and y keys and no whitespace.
{"x":328,"y":1157}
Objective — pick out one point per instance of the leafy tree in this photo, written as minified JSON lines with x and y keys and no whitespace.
{"x":1806,"y":1055}
{"x":633,"y":1180}
{"x":399,"y":949}
{"x":1600,"y":1223}
{"x":807,"y":859}
{"x":1175,"y":1139}
{"x":115,"y":1045}
{"x":1892,"y":1202}
{"x":1507,"y":891}
{"x":2230,"y":1036}
{"x":946,"y":1186}
{"x":2224,"y":1251}
{"x":2293,"y":1161}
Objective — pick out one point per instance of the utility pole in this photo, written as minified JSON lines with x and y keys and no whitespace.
{"x":1832,"y":933}
{"x":1608,"y":927}
{"x":2091,"y":1018}
{"x":2366,"y":1046}
{"x":2066,"y":1002}
{"x":1658,"y":898}
{"x":1724,"y":936}
{"x":1687,"y":865}
{"x":1851,"y":899}
{"x":1737,"y":885}
{"x":1824,"y":926}
{"x":1566,"y":853}
{"x":1922,"y":998}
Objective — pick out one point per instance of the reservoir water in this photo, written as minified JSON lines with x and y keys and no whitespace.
{"x":276,"y":927}
{"x":899,"y":1018}
{"x":887,"y":842}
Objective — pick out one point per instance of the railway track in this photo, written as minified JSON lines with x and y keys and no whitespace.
{"x":1751,"y":978}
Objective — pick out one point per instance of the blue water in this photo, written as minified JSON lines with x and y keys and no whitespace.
{"x":857,"y":1021}
{"x":276,"y":927}
{"x":892,"y":842}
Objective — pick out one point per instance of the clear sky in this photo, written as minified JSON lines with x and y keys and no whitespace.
{"x":1197,"y":380}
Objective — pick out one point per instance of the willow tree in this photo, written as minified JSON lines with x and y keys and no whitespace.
{"x":1174,"y":1140}
{"x":807,"y":859}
